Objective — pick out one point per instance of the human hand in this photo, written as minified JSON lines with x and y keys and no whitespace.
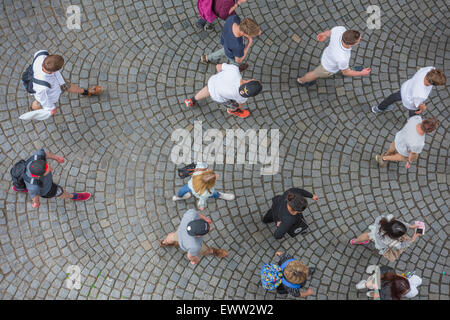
{"x":241,"y":2}
{"x":278,"y":253}
{"x":36,"y":204}
{"x":321,"y":37}
{"x":60,"y":159}
{"x":408,"y":165}
{"x":278,"y":223}
{"x":53,"y":111}
{"x":365,"y":71}
{"x":310,"y":291}
{"x":422,"y":107}
{"x":315,"y":198}
{"x":202,"y":208}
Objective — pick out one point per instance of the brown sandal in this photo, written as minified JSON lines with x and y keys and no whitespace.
{"x":204,"y":58}
{"x":163,"y":245}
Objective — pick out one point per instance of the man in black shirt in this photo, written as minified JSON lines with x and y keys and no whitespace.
{"x":287,"y":210}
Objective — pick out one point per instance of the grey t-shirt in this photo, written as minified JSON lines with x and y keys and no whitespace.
{"x":408,"y":139}
{"x":189,"y":243}
{"x":47,"y":180}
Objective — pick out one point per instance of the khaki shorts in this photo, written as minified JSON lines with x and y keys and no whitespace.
{"x":321,"y":72}
{"x":203,"y":250}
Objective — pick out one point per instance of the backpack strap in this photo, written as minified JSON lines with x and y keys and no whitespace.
{"x":284,"y":281}
{"x":37,"y":81}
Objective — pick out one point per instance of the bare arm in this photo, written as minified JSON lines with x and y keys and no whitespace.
{"x":219,"y":67}
{"x":247,"y":47}
{"x":323,"y":35}
{"x":352,"y":73}
{"x":236,"y":5}
{"x":50,"y":155}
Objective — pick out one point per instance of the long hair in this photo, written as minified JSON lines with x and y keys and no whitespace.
{"x":394,"y":229}
{"x":204,"y":181}
{"x":399,"y":285}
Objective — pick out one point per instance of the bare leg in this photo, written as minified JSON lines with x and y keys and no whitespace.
{"x":310,"y":76}
{"x":66,"y":195}
{"x":171,"y":239}
{"x":362,"y":238}
{"x":396,"y":157}
{"x":202,"y":94}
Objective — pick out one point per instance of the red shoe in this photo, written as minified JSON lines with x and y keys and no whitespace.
{"x":189,"y":102}
{"x":17,"y":190}
{"x":82,"y":196}
{"x":241,"y":113}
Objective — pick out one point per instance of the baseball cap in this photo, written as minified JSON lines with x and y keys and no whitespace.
{"x":250,"y":89}
{"x":38,"y":167}
{"x":197,"y":227}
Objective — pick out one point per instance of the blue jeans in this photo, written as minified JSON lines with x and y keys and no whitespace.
{"x":185,"y":189}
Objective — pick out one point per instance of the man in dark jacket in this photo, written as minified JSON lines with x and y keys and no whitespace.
{"x":287,"y":210}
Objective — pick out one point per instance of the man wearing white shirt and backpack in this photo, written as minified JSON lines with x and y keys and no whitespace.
{"x":228,"y":89}
{"x":415,"y":91}
{"x":46,"y":82}
{"x":336,"y":56}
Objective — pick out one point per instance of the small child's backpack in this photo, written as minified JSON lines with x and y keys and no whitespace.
{"x":28,"y":76}
{"x":186,"y":171}
{"x":271,"y":276}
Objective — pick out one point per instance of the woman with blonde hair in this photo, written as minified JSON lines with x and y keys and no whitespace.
{"x":201,"y":185}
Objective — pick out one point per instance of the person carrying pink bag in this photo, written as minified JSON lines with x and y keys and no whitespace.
{"x":210,"y":10}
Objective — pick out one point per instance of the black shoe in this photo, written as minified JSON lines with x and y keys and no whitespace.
{"x":208,"y":27}
{"x":200,"y":23}
{"x":307,"y":84}
{"x":311,"y":271}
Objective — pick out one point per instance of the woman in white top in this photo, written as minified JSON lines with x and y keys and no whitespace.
{"x":409,"y":141}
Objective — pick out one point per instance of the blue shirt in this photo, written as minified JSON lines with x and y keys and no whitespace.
{"x":234,"y":47}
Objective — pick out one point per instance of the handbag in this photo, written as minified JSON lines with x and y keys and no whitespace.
{"x":393,"y":254}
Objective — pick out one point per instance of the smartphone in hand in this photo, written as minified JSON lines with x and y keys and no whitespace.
{"x":421,"y":227}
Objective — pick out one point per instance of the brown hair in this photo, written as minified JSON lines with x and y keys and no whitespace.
{"x":249,"y":27}
{"x":53,"y":63}
{"x":350,"y":37}
{"x":399,"y":285}
{"x":430,"y":124}
{"x":296,"y":272}
{"x":204,"y":181}
{"x":436,"y":77}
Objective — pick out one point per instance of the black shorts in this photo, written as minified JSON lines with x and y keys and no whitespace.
{"x":55,"y":191}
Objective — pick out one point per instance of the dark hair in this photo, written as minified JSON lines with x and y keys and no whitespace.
{"x":429,"y":125}
{"x":350,"y":37}
{"x":399,"y":285}
{"x":296,"y":201}
{"x":394,"y":229}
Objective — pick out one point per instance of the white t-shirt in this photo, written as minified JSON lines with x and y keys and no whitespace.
{"x":414,"y":91}
{"x":414,"y":282}
{"x":336,"y":57}
{"x":224,"y":86}
{"x":408,"y":139}
{"x":47,"y":97}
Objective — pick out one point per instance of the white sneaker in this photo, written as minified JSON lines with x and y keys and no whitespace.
{"x":361,"y":285}
{"x":369,"y":294}
{"x":226,"y":196}
{"x":186,"y":196}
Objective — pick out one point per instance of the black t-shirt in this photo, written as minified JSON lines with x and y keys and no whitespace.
{"x":281,"y":213}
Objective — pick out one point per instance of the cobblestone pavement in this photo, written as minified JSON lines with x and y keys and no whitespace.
{"x":117,"y":146}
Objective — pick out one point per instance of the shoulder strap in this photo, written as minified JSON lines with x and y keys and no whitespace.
{"x":284,"y":281}
{"x":42,"y":53}
{"x":37,"y":81}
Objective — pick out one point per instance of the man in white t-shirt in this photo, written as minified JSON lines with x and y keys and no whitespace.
{"x":409,"y":141}
{"x":335,"y":57}
{"x":228,"y":89}
{"x":414,"y":92}
{"x":51,"y":83}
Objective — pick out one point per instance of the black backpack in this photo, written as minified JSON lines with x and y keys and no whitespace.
{"x":28,"y":76}
{"x":19,"y":174}
{"x":186,"y":171}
